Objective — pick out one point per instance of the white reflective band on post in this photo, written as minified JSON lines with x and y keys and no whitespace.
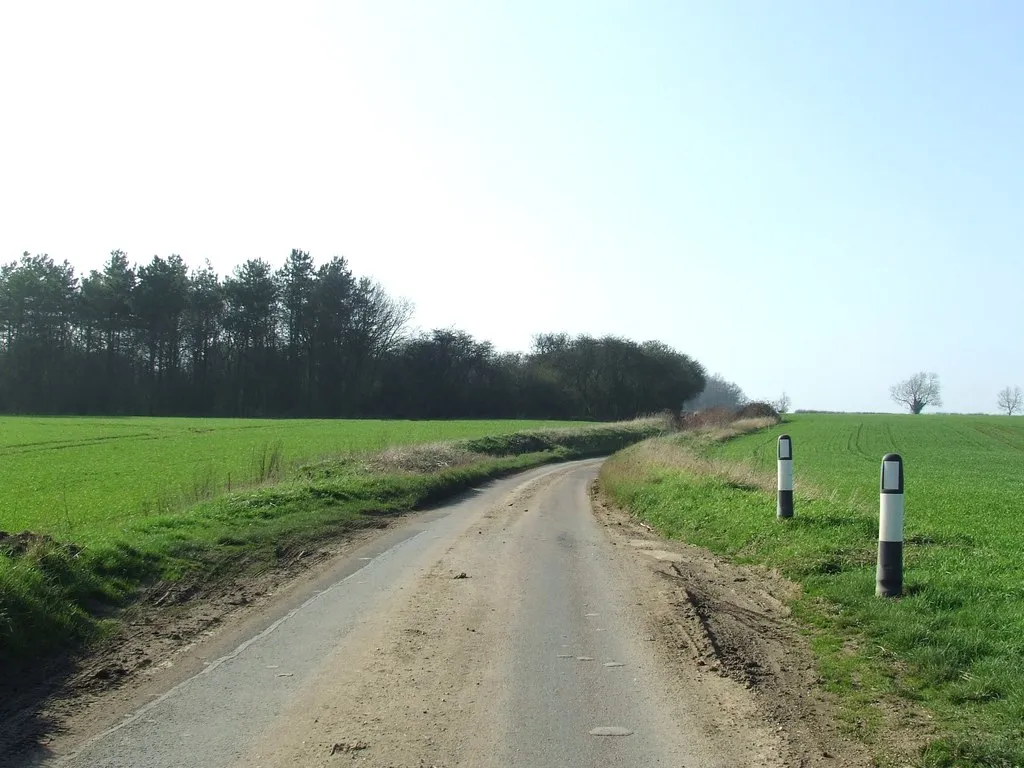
{"x":785,"y":475}
{"x":890,"y":521}
{"x":784,"y":451}
{"x":890,"y":478}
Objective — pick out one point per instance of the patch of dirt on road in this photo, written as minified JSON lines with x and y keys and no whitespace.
{"x":716,"y":618}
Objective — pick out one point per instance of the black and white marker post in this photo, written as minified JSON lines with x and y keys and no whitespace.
{"x":785,"y":507}
{"x":889,"y":574}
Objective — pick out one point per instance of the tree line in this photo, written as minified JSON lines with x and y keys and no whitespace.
{"x":299,"y":341}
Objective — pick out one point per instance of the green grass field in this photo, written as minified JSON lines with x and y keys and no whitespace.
{"x":79,"y":478}
{"x":954,"y":643}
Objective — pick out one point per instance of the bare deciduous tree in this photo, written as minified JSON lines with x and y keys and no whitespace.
{"x":1011,"y":399}
{"x":381,"y":319}
{"x":782,"y":404}
{"x":917,"y":392}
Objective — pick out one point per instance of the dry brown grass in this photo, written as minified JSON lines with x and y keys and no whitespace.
{"x":434,"y":457}
{"x":739,"y":427}
{"x":428,"y":457}
{"x":682,"y":453}
{"x":659,"y":422}
{"x":659,"y":454}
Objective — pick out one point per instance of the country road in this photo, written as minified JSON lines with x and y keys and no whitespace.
{"x":509,"y":628}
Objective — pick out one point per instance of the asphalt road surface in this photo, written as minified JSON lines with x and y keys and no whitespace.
{"x":501,"y":630}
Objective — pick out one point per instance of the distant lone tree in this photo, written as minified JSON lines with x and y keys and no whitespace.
{"x":1011,"y":400}
{"x":782,"y":404}
{"x":920,"y":390}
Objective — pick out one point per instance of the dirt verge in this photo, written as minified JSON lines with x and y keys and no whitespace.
{"x":715,"y":618}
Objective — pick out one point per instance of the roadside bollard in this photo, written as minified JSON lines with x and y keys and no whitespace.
{"x":785,"y":507}
{"x":889,"y":574}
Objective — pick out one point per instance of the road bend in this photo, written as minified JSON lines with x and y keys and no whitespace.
{"x":500,"y":630}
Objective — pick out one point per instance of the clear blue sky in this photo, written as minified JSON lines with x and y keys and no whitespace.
{"x":817,"y":197}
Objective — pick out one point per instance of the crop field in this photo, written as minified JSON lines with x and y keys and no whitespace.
{"x":954,"y":644}
{"x":75,"y":478}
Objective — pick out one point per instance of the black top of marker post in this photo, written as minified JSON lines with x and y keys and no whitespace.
{"x":789,"y":440}
{"x":881,"y":480}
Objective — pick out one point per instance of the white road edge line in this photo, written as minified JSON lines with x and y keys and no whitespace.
{"x":135,"y":716}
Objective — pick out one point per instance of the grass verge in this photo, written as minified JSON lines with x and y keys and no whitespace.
{"x":952,"y":646}
{"x":54,"y":596}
